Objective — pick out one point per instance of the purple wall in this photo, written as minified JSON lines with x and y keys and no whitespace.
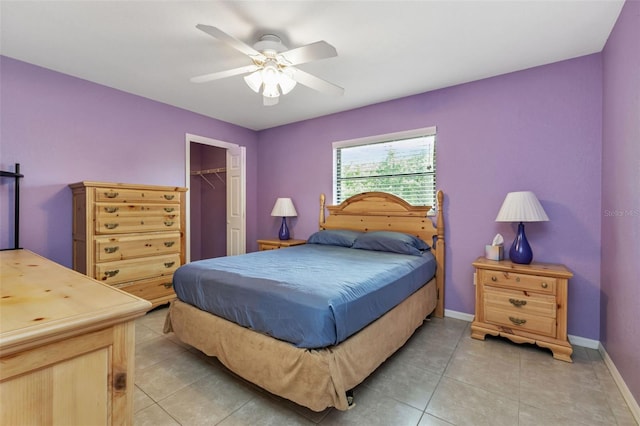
{"x":538,"y":130}
{"x":621,"y":196}
{"x":63,"y":130}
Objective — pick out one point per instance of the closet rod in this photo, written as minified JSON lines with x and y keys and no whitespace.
{"x":209,"y":171}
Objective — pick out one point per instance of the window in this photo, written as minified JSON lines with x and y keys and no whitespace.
{"x":403,"y":164}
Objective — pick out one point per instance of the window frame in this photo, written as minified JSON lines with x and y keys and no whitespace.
{"x":369,"y":140}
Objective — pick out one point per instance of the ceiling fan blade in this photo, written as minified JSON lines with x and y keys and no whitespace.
{"x":224,"y":74}
{"x":230,"y":40}
{"x":310,"y":52}
{"x":316,"y":83}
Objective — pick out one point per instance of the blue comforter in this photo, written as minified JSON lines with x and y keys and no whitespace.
{"x":311,"y":295}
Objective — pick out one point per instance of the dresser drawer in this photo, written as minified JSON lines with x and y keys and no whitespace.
{"x":519,"y":302}
{"x":136,"y":269}
{"x":150,"y":289}
{"x":516,"y":281}
{"x":129,"y":247}
{"x":545,"y":326}
{"x":111,"y":210}
{"x":121,"y":195}
{"x":126,"y":225}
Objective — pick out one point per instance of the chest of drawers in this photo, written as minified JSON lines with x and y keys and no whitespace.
{"x":129,"y":236}
{"x":524,"y":303}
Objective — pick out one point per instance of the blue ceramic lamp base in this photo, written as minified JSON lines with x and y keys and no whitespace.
{"x":520,"y":251}
{"x":284,"y":231}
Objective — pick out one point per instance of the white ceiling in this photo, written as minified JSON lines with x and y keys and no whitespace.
{"x":386,"y":49}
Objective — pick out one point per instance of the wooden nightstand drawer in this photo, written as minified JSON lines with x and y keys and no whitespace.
{"x":519,"y":281}
{"x":521,"y":321}
{"x":519,"y":302}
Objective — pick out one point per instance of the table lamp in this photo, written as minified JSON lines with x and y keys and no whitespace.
{"x":284,"y":208}
{"x":521,"y":207}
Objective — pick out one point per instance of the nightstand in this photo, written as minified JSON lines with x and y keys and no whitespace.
{"x":524,"y":303}
{"x":276,"y":244}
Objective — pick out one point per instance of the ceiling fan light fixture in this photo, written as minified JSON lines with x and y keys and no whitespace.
{"x":286,"y":81}
{"x":254,"y":81}
{"x":270,"y":90}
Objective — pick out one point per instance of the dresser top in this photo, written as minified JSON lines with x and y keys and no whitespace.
{"x":43,"y":301}
{"x":90,"y":184}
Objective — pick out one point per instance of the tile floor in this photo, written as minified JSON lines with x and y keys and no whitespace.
{"x":440,"y":377}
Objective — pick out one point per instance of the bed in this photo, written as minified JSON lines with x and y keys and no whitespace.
{"x":316,"y":373}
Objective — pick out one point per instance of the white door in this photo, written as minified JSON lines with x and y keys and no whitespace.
{"x":236,"y":208}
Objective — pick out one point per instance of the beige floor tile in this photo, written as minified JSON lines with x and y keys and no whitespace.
{"x":463,"y":404}
{"x":429,"y":420}
{"x":208,"y":400}
{"x":153,"y":416}
{"x":263,"y":411}
{"x":172,"y":374}
{"x":374,"y":408}
{"x":141,"y":400}
{"x":155,"y":350}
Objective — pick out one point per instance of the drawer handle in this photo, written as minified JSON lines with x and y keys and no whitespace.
{"x":171,"y":216}
{"x":169,"y":264}
{"x":167,"y":285}
{"x":168,"y":223}
{"x":517,"y":321}
{"x":111,"y":225}
{"x":111,"y":274}
{"x":169,"y":209}
{"x":169,"y":243}
{"x":111,"y":249}
{"x":544,"y":285}
{"x":517,"y":279}
{"x":169,"y":197}
{"x":111,"y":194}
{"x":494,"y":279}
{"x":518,"y":303}
{"x":111,"y":209}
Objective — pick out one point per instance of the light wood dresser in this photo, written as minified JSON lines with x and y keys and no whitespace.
{"x":524,"y":303}
{"x":129,"y":236}
{"x":272,"y":244}
{"x":66,"y":345}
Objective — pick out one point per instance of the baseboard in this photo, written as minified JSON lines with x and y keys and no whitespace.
{"x":584,"y":342}
{"x":458,"y":315}
{"x":624,"y":390}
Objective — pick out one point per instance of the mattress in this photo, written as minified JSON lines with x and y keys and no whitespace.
{"x":312,"y":296}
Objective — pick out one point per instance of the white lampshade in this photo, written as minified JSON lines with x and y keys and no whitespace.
{"x":254,"y":81}
{"x":284,"y":208}
{"x":286,"y":81}
{"x":521,"y":206}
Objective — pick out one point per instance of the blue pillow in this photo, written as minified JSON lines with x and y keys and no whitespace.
{"x":334,"y":237}
{"x":394,"y":242}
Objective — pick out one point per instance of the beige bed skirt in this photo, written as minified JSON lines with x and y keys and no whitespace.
{"x":316,"y":379}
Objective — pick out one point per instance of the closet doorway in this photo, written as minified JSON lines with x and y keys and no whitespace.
{"x":216,"y":198}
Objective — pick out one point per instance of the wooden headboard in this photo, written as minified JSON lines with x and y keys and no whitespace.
{"x":380,"y":211}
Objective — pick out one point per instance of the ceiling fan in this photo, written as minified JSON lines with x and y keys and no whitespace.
{"x":272,"y":69}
